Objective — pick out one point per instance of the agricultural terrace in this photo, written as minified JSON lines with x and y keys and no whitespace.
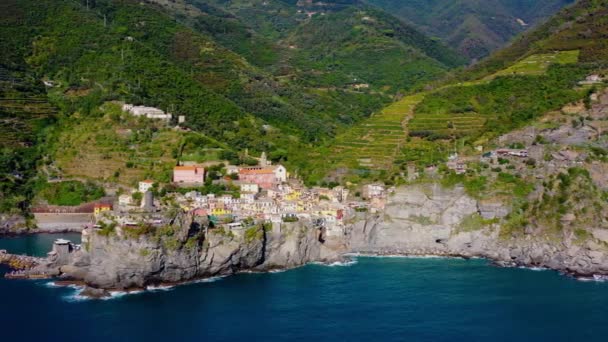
{"x":374,"y":143}
{"x":419,"y":127}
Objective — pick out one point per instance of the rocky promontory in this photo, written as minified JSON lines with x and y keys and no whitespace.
{"x":187,"y":250}
{"x":422,"y":219}
{"x":430,"y":220}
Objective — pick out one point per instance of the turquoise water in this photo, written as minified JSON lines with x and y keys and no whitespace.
{"x":377,"y":299}
{"x":35,"y":245}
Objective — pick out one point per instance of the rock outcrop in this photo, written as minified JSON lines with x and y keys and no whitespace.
{"x":418,"y":220}
{"x":122,"y":261}
{"x":428,"y":220}
{"x":12,"y":224}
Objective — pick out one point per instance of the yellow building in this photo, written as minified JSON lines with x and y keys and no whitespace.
{"x":220,"y":211}
{"x":100,"y":208}
{"x":294,"y":195}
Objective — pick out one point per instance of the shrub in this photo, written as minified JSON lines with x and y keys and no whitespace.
{"x":71,"y":192}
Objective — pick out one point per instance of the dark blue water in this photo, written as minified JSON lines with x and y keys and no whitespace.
{"x":389,"y":299}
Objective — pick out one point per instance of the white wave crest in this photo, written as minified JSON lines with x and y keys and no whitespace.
{"x":404,"y":256}
{"x":534,"y":268}
{"x":208,"y":280}
{"x":337,"y":263}
{"x":160,"y":288}
{"x":595,"y":278}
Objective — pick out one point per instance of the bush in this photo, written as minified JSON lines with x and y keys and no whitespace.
{"x":290,"y":219}
{"x":71,"y":193}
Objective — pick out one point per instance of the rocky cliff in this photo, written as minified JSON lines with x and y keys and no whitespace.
{"x":429,"y":220}
{"x":418,"y":220}
{"x":183,"y":252}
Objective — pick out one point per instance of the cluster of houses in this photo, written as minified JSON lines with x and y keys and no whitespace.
{"x":266,"y":193}
{"x":459,"y":165}
{"x":264,"y":175}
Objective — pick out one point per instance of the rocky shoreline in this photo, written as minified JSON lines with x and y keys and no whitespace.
{"x":16,"y":225}
{"x":24,"y":232}
{"x":102,"y":293}
{"x":417,"y":221}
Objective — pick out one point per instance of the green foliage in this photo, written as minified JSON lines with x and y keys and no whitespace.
{"x":17,"y":168}
{"x":502,"y":104}
{"x":474,"y":28}
{"x":474,"y":222}
{"x":475,"y":186}
{"x":578,"y":27}
{"x":137,"y":197}
{"x":514,"y":224}
{"x":142,"y":229}
{"x":71,"y":192}
{"x":290,"y":219}
{"x":107,"y":229}
{"x":254,"y":233}
{"x":171,"y":243}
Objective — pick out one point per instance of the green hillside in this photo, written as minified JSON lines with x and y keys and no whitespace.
{"x":474,"y":28}
{"x":282,"y":84}
{"x":321,"y":46}
{"x":537,"y":74}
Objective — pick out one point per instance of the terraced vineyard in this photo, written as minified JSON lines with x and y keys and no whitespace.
{"x":397,"y":135}
{"x":19,"y":118}
{"x":453,"y":125}
{"x":446,"y":126}
{"x":539,"y":63}
{"x":374,"y":143}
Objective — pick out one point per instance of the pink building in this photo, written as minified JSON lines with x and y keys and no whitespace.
{"x":265,"y":177}
{"x":189,"y":174}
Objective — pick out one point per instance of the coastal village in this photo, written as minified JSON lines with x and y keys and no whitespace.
{"x":263,"y":193}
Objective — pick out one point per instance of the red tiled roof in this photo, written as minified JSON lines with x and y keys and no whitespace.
{"x":255,"y":171}
{"x":185,"y":168}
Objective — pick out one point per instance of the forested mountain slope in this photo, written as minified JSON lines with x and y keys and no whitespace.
{"x":280,"y":87}
{"x":540,"y":72}
{"x":474,"y":28}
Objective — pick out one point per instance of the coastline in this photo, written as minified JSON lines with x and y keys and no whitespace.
{"x":599,"y":276}
{"x":347,"y":259}
{"x":26,"y":232}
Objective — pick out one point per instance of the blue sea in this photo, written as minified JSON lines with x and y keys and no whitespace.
{"x":372,"y":299}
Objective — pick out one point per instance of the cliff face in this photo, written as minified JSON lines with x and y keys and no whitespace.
{"x":428,"y":220}
{"x":418,"y":220}
{"x":120,"y":261}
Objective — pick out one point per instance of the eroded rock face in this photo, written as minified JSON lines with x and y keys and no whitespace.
{"x":429,"y":220}
{"x":12,"y":224}
{"x":115,"y":262}
{"x":418,"y":220}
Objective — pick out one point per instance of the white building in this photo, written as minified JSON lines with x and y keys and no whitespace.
{"x":373,"y":190}
{"x":145,"y":185}
{"x":247,"y":197}
{"x":125,"y":199}
{"x":280,"y":173}
{"x":250,"y":187}
{"x":149,"y":112}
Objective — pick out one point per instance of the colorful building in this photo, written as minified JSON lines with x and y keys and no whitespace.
{"x":189,"y":174}
{"x":99,"y":208}
{"x":265,"y":177}
{"x":145,"y":185}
